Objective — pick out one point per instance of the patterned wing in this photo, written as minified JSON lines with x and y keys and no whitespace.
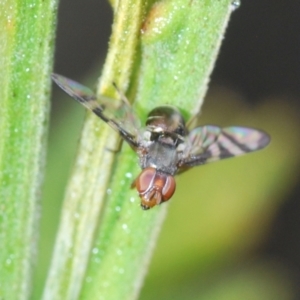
{"x":211,"y":143}
{"x":117,"y":114}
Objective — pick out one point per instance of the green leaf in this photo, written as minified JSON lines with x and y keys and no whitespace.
{"x":26,"y":60}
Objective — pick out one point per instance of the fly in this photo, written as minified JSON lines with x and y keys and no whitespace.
{"x":164,"y":146}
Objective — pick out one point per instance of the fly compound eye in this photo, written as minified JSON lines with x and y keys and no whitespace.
{"x":145,"y":188}
{"x":154,"y":187}
{"x":169,"y":188}
{"x":145,"y":180}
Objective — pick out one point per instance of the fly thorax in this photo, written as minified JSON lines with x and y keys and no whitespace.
{"x":162,"y":156}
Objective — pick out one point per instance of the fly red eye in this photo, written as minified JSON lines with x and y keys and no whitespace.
{"x":145,"y":180}
{"x":154,"y":187}
{"x":169,"y":188}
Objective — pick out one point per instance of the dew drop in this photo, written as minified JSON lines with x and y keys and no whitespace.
{"x":95,"y":250}
{"x":235,"y":4}
{"x":119,"y":252}
{"x":128,"y":175}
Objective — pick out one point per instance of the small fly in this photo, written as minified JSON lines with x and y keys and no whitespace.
{"x":164,"y":146}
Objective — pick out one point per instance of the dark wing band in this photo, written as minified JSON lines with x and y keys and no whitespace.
{"x":211,"y":143}
{"x":117,"y":114}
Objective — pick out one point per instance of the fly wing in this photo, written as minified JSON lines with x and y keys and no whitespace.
{"x":117,"y":114}
{"x":211,"y":143}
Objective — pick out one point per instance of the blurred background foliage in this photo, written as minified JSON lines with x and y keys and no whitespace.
{"x":232,"y":230}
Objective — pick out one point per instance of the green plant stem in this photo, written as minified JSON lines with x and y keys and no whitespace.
{"x":177,"y":58}
{"x":25,"y":58}
{"x":87,"y":189}
{"x":103,"y":254}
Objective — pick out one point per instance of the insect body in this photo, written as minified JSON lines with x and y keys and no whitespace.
{"x":165,"y":147}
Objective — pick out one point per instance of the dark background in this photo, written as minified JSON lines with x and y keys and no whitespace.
{"x":259,"y":55}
